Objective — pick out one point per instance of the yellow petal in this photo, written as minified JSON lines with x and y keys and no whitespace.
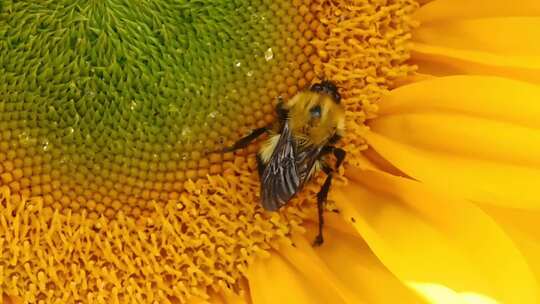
{"x":474,"y":37}
{"x":413,"y":77}
{"x":304,"y":259}
{"x":477,"y":137}
{"x":222,"y":298}
{"x":511,"y":44}
{"x":228,"y":297}
{"x":474,"y":47}
{"x":341,"y":271}
{"x":356,"y":268}
{"x":522,"y":227}
{"x":439,"y":10}
{"x":275,"y":279}
{"x":443,"y":295}
{"x":489,"y":97}
{"x":427,"y":238}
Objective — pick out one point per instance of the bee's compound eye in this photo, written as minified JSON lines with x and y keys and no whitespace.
{"x":315,"y":111}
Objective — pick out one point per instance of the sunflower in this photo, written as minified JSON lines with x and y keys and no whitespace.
{"x":110,"y":190}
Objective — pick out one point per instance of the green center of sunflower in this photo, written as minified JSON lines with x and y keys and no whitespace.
{"x":118,"y":101}
{"x":109,"y":115}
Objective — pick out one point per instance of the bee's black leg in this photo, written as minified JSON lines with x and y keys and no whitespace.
{"x":323,"y":193}
{"x":340,"y":156}
{"x":260,"y":165}
{"x":245,"y":141}
{"x":321,"y":200}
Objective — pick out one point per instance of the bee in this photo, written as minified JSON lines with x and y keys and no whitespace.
{"x":304,"y":134}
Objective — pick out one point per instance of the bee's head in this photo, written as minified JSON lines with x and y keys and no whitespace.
{"x":327,"y":87}
{"x":316,"y":113}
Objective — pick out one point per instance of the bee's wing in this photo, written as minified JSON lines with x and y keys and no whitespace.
{"x":280,"y":180}
{"x":306,"y":157}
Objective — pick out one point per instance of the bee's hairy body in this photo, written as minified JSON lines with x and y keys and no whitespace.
{"x":307,"y":127}
{"x":308,"y":132}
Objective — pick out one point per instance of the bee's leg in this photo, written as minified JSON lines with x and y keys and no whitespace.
{"x":245,"y":141}
{"x":260,"y":165}
{"x":340,"y":156}
{"x":323,"y":193}
{"x":321,"y":200}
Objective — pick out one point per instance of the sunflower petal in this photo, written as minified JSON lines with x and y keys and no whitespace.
{"x":522,"y":227}
{"x":465,"y":9}
{"x":499,"y":39}
{"x":426,"y":238}
{"x":274,"y":278}
{"x":230,"y":297}
{"x":355,"y":267}
{"x":444,"y":295}
{"x":304,"y":259}
{"x":413,"y":77}
{"x":223,"y":297}
{"x":477,"y":137}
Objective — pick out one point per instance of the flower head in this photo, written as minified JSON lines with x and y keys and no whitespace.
{"x":111,"y":189}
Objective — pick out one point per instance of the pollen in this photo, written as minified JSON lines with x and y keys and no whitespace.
{"x":111,"y":113}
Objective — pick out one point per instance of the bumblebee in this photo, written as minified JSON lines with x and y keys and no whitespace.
{"x":308,"y":126}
